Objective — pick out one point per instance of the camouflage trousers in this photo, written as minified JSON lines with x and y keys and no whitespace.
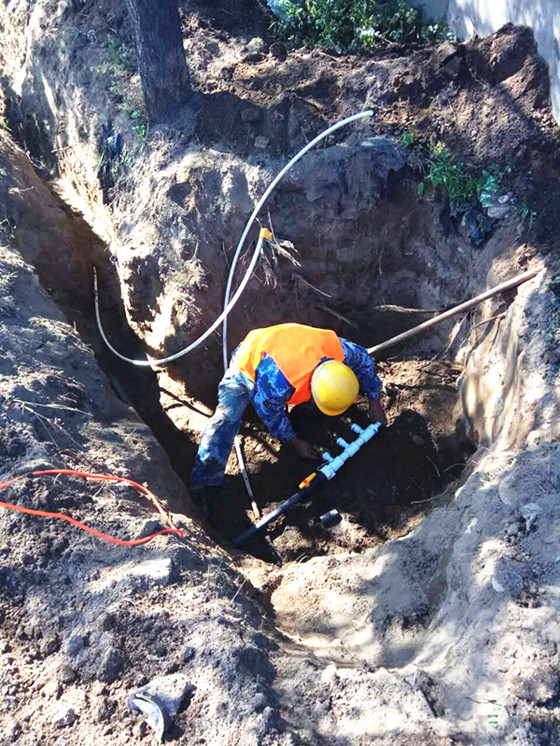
{"x":235,"y":392}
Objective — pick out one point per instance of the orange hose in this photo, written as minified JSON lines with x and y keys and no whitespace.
{"x":70,"y":472}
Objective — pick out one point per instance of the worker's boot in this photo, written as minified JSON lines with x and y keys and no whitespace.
{"x":206,"y":498}
{"x":199,"y":498}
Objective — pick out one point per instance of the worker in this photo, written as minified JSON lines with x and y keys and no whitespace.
{"x":283,"y":365}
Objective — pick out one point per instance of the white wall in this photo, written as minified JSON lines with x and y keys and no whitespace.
{"x":466,"y":17}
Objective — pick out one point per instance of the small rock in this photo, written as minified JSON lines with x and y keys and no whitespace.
{"x":265,"y":722}
{"x":52,"y":690}
{"x":32,"y":631}
{"x":278,"y":50}
{"x":67,"y":674}
{"x":530,"y":512}
{"x":252,"y":115}
{"x":453,"y":66}
{"x":172,"y":667}
{"x":102,"y":710}
{"x":497,"y":586}
{"x":111,"y":666}
{"x":259,"y":702}
{"x":548,"y":647}
{"x":446,"y":51}
{"x":108,"y":621}
{"x":539,"y":687}
{"x":498,"y":212}
{"x":256,"y":45}
{"x":322,"y":706}
{"x":212,"y":46}
{"x":254,"y":50}
{"x":141,"y":730}
{"x":50,"y":645}
{"x":271,"y":715}
{"x":251,"y":57}
{"x":262,"y":142}
{"x":330,"y":674}
{"x":13,"y":731}
{"x":507,"y":576}
{"x":146,"y":574}
{"x":152,"y":525}
{"x":75,"y":644}
{"x":187,"y":653}
{"x":504,"y":199}
{"x":64,"y":718}
{"x":59,"y":545}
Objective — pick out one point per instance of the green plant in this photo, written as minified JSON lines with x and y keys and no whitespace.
{"x":553,"y":335}
{"x":120,"y":56}
{"x":454,"y":177}
{"x":117,"y":88}
{"x":100,"y":161}
{"x":125,"y":85}
{"x":553,"y":332}
{"x":488,"y":185}
{"x":139,"y":127}
{"x":353,"y":25}
{"x":408,"y":139}
{"x":525,"y":212}
{"x":127,"y":160}
{"x":141,"y":132}
{"x":470,"y":192}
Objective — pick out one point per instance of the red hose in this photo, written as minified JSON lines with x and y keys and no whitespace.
{"x":70,"y":472}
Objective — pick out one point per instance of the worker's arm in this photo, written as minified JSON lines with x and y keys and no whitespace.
{"x":358,"y":359}
{"x":272,"y":393}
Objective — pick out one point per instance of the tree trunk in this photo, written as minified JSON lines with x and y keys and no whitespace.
{"x":163,"y":67}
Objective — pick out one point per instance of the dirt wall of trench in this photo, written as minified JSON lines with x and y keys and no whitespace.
{"x":510,"y":389}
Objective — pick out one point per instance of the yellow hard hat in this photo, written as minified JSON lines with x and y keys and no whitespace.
{"x":334,"y":387}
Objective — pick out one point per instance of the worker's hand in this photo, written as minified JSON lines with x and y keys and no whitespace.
{"x":306,"y":450}
{"x":376,"y":411}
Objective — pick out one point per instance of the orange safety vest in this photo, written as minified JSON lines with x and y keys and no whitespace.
{"x":296,"y":349}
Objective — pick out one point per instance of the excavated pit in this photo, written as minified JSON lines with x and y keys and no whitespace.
{"x":382,"y":493}
{"x":358,"y":239}
{"x":361,"y":238}
{"x":386,"y":489}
